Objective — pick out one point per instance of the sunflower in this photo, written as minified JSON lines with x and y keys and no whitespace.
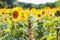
{"x":5,"y":11}
{"x":54,"y":9}
{"x":51,"y":14}
{"x":16,"y":15}
{"x":44,"y":12}
{"x":38,"y":14}
{"x":33,"y":11}
{"x":24,"y":15}
{"x":5,"y":19}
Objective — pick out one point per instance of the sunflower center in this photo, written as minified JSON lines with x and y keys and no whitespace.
{"x":3,"y":13}
{"x":39,"y":15}
{"x":43,"y":12}
{"x":50,"y":14}
{"x":5,"y":19}
{"x":15,"y":14}
{"x":23,"y":17}
{"x":6,"y":13}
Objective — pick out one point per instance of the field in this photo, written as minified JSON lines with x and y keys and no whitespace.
{"x":29,"y":24}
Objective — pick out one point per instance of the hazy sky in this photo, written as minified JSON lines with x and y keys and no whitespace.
{"x":37,"y":1}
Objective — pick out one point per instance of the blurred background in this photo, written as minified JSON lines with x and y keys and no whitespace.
{"x":14,"y":3}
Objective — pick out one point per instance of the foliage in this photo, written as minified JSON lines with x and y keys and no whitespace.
{"x":15,"y":3}
{"x":29,"y":21}
{"x":17,"y":23}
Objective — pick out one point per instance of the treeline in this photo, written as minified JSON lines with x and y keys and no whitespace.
{"x":14,"y":3}
{"x":8,"y":3}
{"x":37,"y":6}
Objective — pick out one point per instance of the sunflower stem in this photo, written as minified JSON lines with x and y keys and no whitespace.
{"x":30,"y":31}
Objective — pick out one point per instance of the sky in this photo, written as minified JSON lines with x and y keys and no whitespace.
{"x":37,"y":1}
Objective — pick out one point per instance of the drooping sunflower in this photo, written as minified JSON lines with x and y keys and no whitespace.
{"x":16,"y":15}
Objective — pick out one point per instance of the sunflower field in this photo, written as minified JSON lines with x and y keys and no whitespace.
{"x":29,"y":24}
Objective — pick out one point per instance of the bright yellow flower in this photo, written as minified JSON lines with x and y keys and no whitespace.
{"x":24,"y":16}
{"x":4,"y":11}
{"x":54,"y":9}
{"x":34,"y":11}
{"x":16,"y":15}
{"x":44,"y":12}
{"x":25,"y":13}
{"x":5,"y":19}
{"x":19,"y":8}
{"x":39,"y":16}
{"x":51,"y":14}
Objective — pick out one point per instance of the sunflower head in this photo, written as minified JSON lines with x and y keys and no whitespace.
{"x":5,"y":19}
{"x":16,"y":15}
{"x":5,"y":12}
{"x":39,"y":15}
{"x":43,"y":12}
{"x":50,"y":14}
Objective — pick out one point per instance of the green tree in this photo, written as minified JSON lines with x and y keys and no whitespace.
{"x":42,"y":6}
